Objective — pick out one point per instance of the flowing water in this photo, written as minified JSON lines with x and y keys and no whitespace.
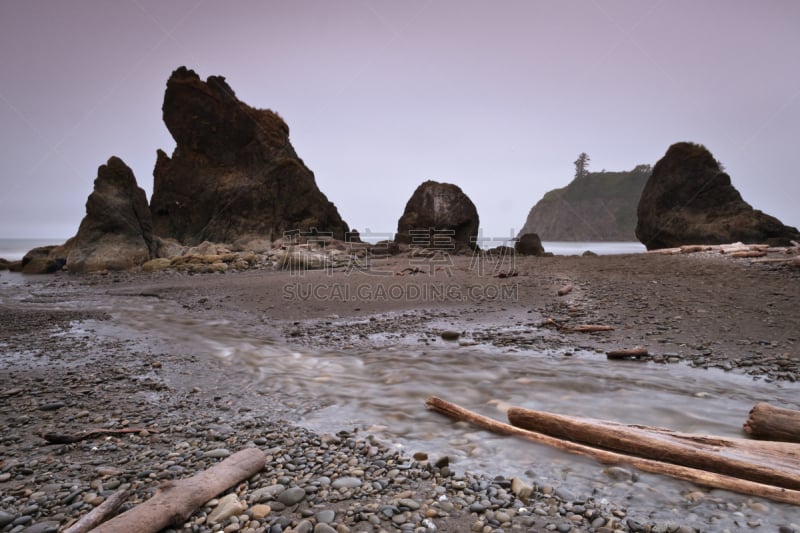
{"x":382,"y":391}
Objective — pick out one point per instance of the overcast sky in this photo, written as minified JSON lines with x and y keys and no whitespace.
{"x":496,"y":97}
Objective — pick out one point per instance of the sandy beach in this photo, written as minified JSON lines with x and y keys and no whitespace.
{"x":128,"y":350}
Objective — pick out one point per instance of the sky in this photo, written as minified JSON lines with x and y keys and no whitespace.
{"x":498,"y":98}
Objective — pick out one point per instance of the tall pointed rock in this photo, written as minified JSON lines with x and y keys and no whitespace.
{"x":234,"y":174}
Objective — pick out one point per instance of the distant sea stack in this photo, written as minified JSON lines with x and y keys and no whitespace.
{"x":600,"y":206}
{"x":117,"y":231}
{"x":233,"y":175}
{"x":438,"y":213}
{"x":690,"y":200}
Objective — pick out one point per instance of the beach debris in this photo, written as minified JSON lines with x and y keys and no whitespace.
{"x":586,"y":328}
{"x":70,"y":438}
{"x":176,"y":500}
{"x":101,"y":513}
{"x":450,"y":335}
{"x":769,"y":422}
{"x":637,"y":352}
{"x":509,"y":274}
{"x":764,"y":469}
{"x":749,"y":253}
{"x":409,"y":270}
{"x":566,"y":289}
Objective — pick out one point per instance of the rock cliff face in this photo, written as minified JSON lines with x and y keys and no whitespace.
{"x":690,"y":200}
{"x":117,"y":231}
{"x":438,"y":213}
{"x":598,"y":207}
{"x":233,"y":174}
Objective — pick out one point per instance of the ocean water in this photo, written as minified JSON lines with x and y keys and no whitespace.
{"x":15,"y":249}
{"x":600,"y":248}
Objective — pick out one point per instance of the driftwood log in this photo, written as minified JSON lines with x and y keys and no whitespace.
{"x":701,"y":477}
{"x":773,"y":463}
{"x":70,"y":438}
{"x":637,"y":352}
{"x":587,"y":328}
{"x":175,"y":501}
{"x":773,"y":423}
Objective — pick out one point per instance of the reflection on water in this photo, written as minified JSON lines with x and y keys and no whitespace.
{"x":383,"y":391}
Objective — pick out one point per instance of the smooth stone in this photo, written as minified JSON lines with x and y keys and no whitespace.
{"x":323,"y":528}
{"x":304,"y":526}
{"x":219,"y":453}
{"x":260,"y":510}
{"x":266,"y":493}
{"x":326,"y":517}
{"x":5,"y":518}
{"x":346,"y":483}
{"x":292,"y":496}
{"x":450,"y":335}
{"x":228,"y":506}
{"x":42,"y":527}
{"x":408,"y":502}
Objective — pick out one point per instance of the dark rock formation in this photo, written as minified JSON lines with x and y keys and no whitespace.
{"x":690,"y":200}
{"x":529,"y":244}
{"x":600,"y":206}
{"x":439,"y":215}
{"x":40,"y":261}
{"x":117,"y":231}
{"x":234,"y":174}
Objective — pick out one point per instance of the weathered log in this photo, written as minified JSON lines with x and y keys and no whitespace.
{"x":768,"y":422}
{"x":665,"y":251}
{"x":566,"y":289}
{"x":175,"y":501}
{"x":701,"y":477}
{"x":694,"y":248}
{"x":749,"y":253}
{"x":773,"y":463}
{"x":587,"y":328}
{"x":70,"y":438}
{"x":636,"y":352}
{"x":99,"y":514}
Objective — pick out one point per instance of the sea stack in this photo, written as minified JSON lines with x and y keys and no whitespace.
{"x":233,"y":175}
{"x":117,"y":231}
{"x":689,"y":199}
{"x":439,"y":215}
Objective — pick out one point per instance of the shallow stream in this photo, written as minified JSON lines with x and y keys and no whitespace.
{"x":382,"y":392}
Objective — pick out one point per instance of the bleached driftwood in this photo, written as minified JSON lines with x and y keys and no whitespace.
{"x":773,"y":463}
{"x":175,"y":501}
{"x":701,"y":477}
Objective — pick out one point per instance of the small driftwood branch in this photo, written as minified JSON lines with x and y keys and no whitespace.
{"x":694,"y":475}
{"x":175,"y":501}
{"x":566,"y":289}
{"x":773,"y":423}
{"x":69,"y":438}
{"x":587,"y":328}
{"x":99,"y":514}
{"x":636,"y":352}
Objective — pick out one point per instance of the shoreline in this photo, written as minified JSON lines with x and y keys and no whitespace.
{"x":721,"y":304}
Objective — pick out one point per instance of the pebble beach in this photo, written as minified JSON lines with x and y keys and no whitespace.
{"x":66,"y":369}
